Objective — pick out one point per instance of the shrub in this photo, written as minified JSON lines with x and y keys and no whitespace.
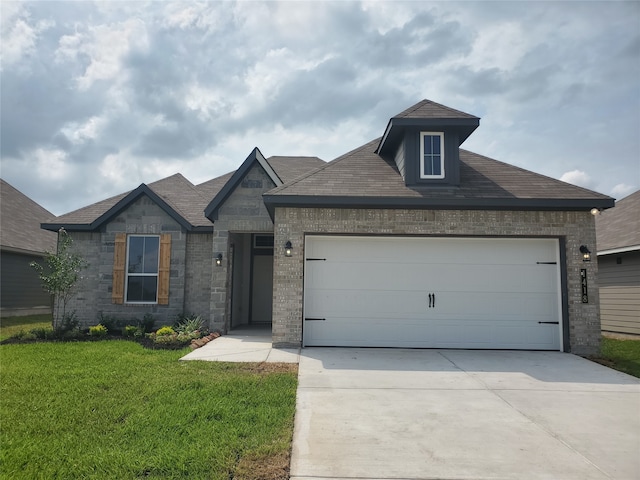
{"x":132,"y":331}
{"x":42,"y":333}
{"x":165,"y":331}
{"x":98,"y":331}
{"x":146,"y":324}
{"x":189,"y":324}
{"x":69,"y":322}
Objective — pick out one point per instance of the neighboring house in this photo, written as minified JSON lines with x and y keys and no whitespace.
{"x":22,"y":241}
{"x":407,"y":241}
{"x":618,"y":234}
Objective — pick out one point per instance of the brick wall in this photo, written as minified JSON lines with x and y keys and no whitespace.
{"x":94,"y":288}
{"x":243,"y":211}
{"x":575,"y":228}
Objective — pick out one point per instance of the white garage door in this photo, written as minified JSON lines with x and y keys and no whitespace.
{"x":432,"y":292}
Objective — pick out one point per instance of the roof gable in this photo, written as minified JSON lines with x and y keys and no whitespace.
{"x":427,"y":115}
{"x":211,"y":211}
{"x":618,"y":229}
{"x":175,"y":195}
{"x":20,"y":219}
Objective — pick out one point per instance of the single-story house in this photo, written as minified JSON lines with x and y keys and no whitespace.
{"x":618,"y":236}
{"x":22,"y":241}
{"x":406,"y":241}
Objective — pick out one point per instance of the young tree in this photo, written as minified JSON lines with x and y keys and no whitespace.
{"x":60,"y":275}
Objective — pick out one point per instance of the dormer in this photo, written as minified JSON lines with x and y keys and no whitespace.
{"x":424,"y":142}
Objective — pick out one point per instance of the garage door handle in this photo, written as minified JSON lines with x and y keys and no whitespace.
{"x":551,"y":323}
{"x":432,"y":300}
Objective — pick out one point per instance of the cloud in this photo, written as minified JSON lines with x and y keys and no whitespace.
{"x":621,"y":190}
{"x":577,"y":177}
{"x":121,"y":92}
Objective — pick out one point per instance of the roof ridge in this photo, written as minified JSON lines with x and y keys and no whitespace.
{"x":323,"y":167}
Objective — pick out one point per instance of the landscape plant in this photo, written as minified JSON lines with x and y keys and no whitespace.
{"x":60,"y":276}
{"x":98,"y":331}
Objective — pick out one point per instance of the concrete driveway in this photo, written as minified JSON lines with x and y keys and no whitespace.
{"x":459,"y":414}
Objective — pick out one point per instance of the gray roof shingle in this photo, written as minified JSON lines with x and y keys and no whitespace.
{"x":619,"y":227}
{"x":362,"y":173}
{"x":185,"y":199}
{"x":429,"y":109}
{"x":20,"y":219}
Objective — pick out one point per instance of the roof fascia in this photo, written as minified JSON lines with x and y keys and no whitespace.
{"x":465,"y":125}
{"x":22,"y":251}
{"x":211,"y":211}
{"x":611,"y":251}
{"x":272,"y":201}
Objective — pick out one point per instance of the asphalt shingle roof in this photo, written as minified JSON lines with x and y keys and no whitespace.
{"x":363,"y":173}
{"x":187,"y":200}
{"x":619,"y":227}
{"x":20,"y":219}
{"x":429,"y":109}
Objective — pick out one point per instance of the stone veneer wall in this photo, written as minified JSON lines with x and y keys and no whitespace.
{"x":94,"y":289}
{"x":243,"y":211}
{"x":577,"y":228}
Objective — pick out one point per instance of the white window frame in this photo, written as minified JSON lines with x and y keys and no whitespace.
{"x":127,"y":274}
{"x":431,"y":134}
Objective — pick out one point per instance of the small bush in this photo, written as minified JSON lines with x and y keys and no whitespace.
{"x":44,"y":333}
{"x":189,"y":324}
{"x":69,"y":322}
{"x":146,"y":324}
{"x":165,"y":331}
{"x":28,"y":336}
{"x":98,"y":331}
{"x":132,"y":331}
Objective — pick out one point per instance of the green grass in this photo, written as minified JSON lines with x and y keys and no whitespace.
{"x":11,"y":325}
{"x":623,"y":355}
{"x":112,"y":409}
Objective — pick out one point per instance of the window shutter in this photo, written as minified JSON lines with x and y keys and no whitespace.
{"x":164,"y":269}
{"x":119,"y":260}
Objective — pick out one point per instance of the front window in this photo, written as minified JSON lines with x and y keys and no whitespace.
{"x":431,"y":155}
{"x":142,"y":269}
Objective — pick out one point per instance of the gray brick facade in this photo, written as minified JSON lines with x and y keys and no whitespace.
{"x":142,"y":217}
{"x":573,"y":228}
{"x":243,"y":211}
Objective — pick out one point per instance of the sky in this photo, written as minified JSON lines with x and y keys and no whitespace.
{"x":99,"y":97}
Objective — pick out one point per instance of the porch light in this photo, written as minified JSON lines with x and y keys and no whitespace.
{"x":586,"y":253}
{"x":287,"y":248}
{"x":595,"y":211}
{"x":219,"y":260}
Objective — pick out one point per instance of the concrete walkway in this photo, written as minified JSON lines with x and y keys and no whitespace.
{"x":244,"y":346}
{"x":460,"y":414}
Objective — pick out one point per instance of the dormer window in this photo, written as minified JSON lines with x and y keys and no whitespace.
{"x":431,"y":155}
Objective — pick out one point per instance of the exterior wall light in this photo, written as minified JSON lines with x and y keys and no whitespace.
{"x":219,"y":260}
{"x":287,"y":249}
{"x":586,"y":253}
{"x":595,"y":211}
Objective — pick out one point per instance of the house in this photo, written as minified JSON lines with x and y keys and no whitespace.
{"x":618,"y":236}
{"x":22,"y":242}
{"x":406,"y":241}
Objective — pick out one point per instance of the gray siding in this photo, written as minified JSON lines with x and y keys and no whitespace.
{"x":620,"y":292}
{"x":20,"y":285}
{"x":399,"y":159}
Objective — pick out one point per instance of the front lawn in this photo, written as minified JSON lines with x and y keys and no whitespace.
{"x":113,"y":409}
{"x":623,"y":355}
{"x":11,"y":325}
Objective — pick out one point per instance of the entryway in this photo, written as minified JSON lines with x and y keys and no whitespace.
{"x":251,"y":280}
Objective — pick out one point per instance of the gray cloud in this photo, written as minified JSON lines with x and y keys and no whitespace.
{"x":125,"y":92}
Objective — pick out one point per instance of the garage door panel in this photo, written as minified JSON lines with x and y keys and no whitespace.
{"x":489,"y":293}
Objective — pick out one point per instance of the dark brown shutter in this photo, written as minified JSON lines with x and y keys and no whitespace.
{"x":119,"y":260}
{"x":163,"y":271}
